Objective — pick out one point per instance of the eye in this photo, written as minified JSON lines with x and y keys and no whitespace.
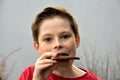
{"x":48,"y":39}
{"x":65,"y":36}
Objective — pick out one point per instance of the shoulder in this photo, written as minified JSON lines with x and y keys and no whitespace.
{"x":27,"y":73}
{"x":29,"y":69}
{"x":90,"y":75}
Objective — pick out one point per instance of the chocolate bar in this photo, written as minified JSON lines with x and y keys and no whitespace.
{"x":65,"y":58}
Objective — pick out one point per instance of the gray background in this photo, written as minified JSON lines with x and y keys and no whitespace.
{"x":98,"y":21}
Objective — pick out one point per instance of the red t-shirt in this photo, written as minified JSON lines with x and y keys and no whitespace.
{"x":27,"y":74}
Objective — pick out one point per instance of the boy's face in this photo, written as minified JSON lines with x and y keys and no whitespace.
{"x":56,"y":35}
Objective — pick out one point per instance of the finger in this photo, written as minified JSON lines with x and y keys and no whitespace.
{"x":45,"y":61}
{"x":44,"y":66}
{"x":47,"y":55}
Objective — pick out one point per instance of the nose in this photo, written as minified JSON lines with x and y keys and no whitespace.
{"x":57,"y":44}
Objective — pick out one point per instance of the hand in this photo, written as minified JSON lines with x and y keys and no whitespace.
{"x":44,"y":66}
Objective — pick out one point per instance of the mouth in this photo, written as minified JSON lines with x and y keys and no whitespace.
{"x":62,"y":54}
{"x":64,"y":57}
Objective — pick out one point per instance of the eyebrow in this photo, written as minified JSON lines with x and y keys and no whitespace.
{"x":49,"y":34}
{"x":65,"y":32}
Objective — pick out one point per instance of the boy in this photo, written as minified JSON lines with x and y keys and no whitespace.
{"x":55,"y":34}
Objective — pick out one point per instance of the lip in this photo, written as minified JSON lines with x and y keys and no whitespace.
{"x":63,"y":54}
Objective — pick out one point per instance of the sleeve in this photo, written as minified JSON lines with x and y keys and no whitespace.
{"x":27,"y":74}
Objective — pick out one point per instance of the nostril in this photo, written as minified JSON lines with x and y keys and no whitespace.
{"x":58,"y":47}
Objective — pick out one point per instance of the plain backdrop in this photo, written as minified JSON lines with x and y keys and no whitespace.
{"x":98,"y":21}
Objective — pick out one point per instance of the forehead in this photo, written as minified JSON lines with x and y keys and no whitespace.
{"x":54,"y":24}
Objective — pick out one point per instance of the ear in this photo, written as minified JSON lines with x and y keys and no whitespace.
{"x":36,"y":46}
{"x":77,"y":41}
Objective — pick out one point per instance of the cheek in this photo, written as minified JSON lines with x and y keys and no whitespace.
{"x":44,"y":48}
{"x":72,"y":47}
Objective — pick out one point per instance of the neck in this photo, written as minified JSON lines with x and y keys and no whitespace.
{"x":69,"y":72}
